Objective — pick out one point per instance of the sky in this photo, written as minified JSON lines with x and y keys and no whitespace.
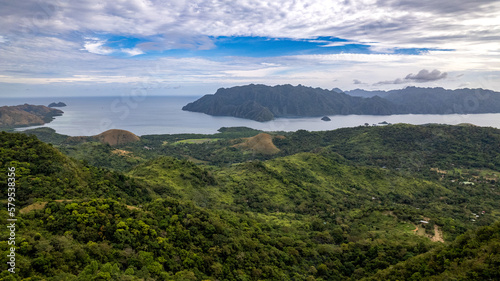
{"x":144,"y":47}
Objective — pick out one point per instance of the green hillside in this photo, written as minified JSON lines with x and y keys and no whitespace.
{"x":334,"y":205}
{"x":474,"y":255}
{"x":44,"y":173}
{"x":264,"y":103}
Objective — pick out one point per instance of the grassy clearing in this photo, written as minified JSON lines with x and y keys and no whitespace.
{"x":195,"y":141}
{"x":32,"y":207}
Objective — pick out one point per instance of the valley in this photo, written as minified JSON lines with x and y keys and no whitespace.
{"x":242,"y":204}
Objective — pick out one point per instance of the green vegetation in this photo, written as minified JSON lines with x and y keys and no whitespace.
{"x":43,"y":173}
{"x":264,"y":103}
{"x":195,"y":141}
{"x":358,"y":203}
{"x":474,"y":255}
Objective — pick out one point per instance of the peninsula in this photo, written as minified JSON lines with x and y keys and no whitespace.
{"x":26,"y":115}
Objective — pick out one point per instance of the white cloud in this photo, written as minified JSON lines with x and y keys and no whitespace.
{"x":390,"y":23}
{"x":60,"y":41}
{"x":255,"y":73}
{"x":96,"y":46}
{"x":132,"y":51}
{"x":337,"y":44}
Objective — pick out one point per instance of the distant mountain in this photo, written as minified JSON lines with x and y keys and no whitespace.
{"x":264,"y":103}
{"x":337,"y":90}
{"x":366,"y":94}
{"x":26,"y":115}
{"x":442,"y":101}
{"x":437,"y":100}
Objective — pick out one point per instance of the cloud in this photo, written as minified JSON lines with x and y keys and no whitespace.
{"x":396,"y":81}
{"x":60,"y":40}
{"x":132,"y":52}
{"x":425,"y":76}
{"x":386,"y":22}
{"x":96,"y":46}
{"x":422,"y":76}
{"x":444,"y":8}
{"x":357,"y":82}
{"x":175,"y":40}
{"x":335,"y":44}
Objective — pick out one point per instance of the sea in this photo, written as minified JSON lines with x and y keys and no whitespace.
{"x":148,"y":115}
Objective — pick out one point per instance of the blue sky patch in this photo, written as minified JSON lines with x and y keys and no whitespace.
{"x":247,"y":46}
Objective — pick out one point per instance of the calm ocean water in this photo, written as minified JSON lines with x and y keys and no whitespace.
{"x":85,"y":116}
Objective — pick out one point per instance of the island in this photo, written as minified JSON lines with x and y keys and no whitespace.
{"x":26,"y":115}
{"x":326,"y":118}
{"x":57,"y":104}
{"x":264,"y":103}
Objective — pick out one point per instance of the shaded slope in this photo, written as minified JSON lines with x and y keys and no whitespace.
{"x":263,"y":103}
{"x":437,"y":100}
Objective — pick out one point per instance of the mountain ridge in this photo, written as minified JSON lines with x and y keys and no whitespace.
{"x":264,"y":103}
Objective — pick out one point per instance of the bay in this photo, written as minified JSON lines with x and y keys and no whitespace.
{"x":86,"y":116}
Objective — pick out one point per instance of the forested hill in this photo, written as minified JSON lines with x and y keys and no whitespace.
{"x":333,"y":205}
{"x":264,"y":103}
{"x":44,"y":173}
{"x":417,"y":100}
{"x":474,"y":255}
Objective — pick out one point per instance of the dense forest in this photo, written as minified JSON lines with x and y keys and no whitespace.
{"x":398,"y":202}
{"x":264,"y":103}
